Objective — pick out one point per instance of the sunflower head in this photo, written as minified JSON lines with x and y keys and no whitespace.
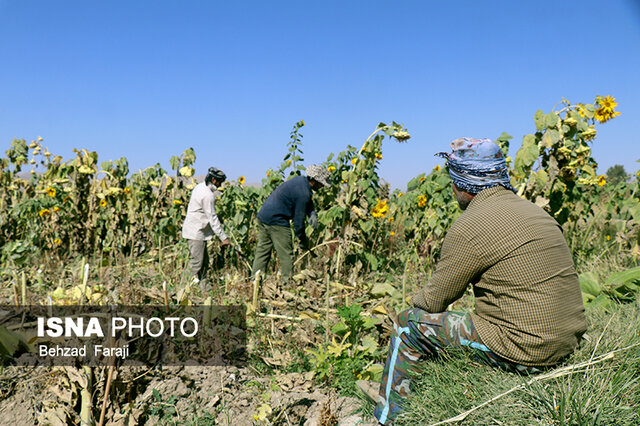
{"x":401,"y":135}
{"x":589,"y":134}
{"x":606,"y":111}
{"x":603,"y":114}
{"x":381,"y":209}
{"x":608,"y":102}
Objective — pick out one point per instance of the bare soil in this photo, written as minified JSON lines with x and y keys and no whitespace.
{"x":172,"y":395}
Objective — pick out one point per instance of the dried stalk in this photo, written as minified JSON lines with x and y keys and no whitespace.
{"x":86,"y":417}
{"x":106,"y":392}
{"x":326,"y":326}
{"x":324,"y":244}
{"x":571,"y":369}
{"x":256,"y":289}
{"x":166,"y":296}
{"x":277,"y":316}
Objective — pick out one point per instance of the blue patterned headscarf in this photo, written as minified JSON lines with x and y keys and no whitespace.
{"x":476,"y":164}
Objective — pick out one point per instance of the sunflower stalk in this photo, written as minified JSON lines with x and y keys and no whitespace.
{"x":256,"y":290}
{"x":23,"y":283}
{"x":327,"y":297}
{"x":86,"y":416}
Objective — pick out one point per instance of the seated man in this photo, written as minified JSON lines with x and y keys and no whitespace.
{"x":528,"y":304}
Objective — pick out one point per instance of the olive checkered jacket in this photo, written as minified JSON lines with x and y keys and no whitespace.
{"x":528,"y":303}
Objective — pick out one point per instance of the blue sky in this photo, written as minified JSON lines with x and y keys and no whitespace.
{"x":148,"y":79}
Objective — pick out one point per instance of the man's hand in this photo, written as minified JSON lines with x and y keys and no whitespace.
{"x":225,"y":242}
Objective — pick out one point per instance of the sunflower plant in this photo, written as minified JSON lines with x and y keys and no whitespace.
{"x":361,"y":201}
{"x":554,"y":167}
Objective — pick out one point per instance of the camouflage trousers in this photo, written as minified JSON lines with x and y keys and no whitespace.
{"x":419,"y":335}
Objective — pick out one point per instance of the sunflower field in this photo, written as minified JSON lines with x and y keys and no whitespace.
{"x":83,"y":207}
{"x":64,"y":222}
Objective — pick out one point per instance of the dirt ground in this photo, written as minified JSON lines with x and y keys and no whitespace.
{"x":172,"y":395}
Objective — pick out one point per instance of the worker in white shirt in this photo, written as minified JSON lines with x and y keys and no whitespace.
{"x":202,"y":223}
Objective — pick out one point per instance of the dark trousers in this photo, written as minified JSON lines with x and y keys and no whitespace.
{"x":278,"y":237}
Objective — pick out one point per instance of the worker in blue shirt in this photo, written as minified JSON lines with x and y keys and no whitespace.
{"x":291,"y":201}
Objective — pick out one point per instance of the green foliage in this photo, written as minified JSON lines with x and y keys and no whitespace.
{"x":164,"y":411}
{"x":16,"y":253}
{"x":77,"y":207}
{"x":351,"y":354}
{"x":620,"y":286}
{"x":616,"y":174}
{"x":565,"y":172}
{"x":624,"y":284}
{"x":10,"y":344}
{"x":293,"y":158}
{"x":74,"y":207}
